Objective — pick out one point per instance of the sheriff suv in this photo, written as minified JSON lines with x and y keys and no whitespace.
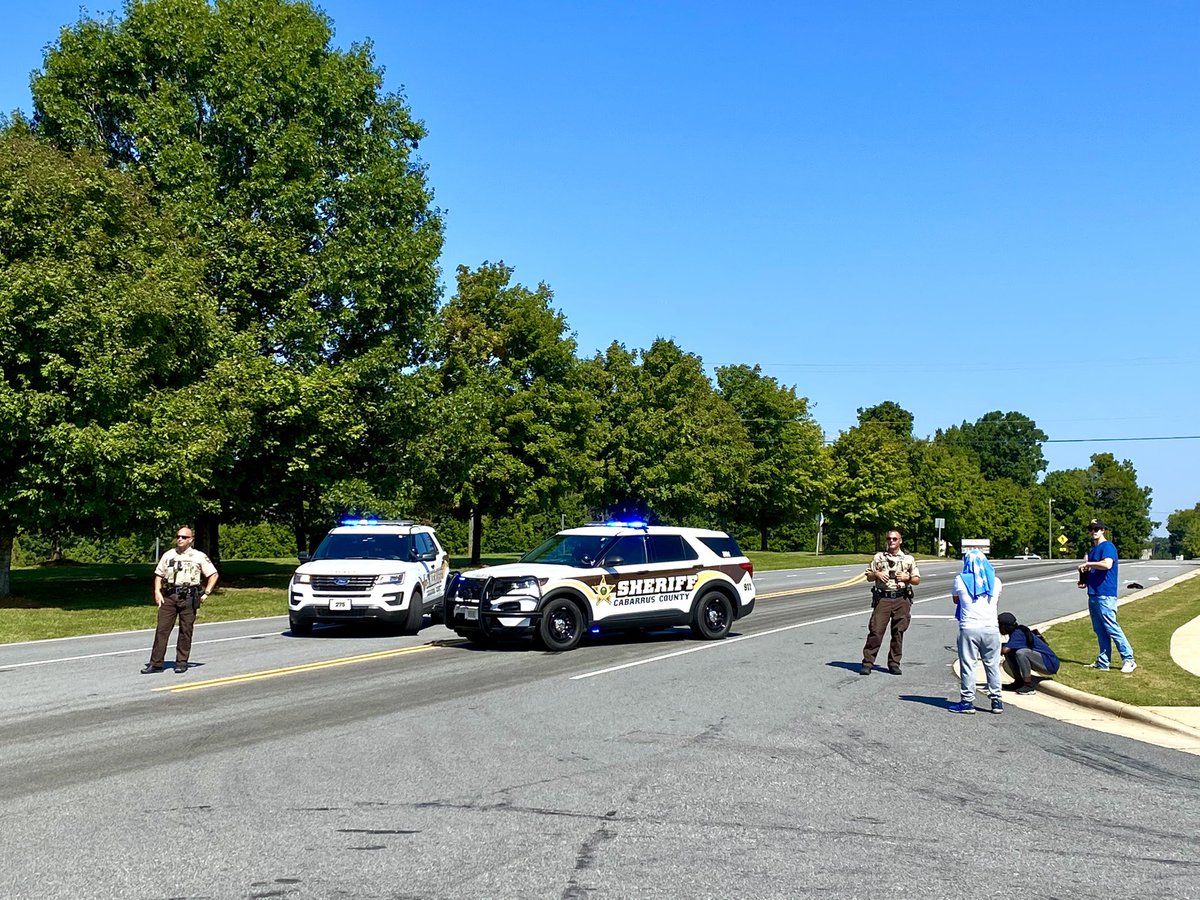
{"x":369,"y":571}
{"x":615,"y":576}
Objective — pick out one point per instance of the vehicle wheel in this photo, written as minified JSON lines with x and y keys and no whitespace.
{"x":416,"y":612}
{"x":561,"y":625}
{"x":713,"y":616}
{"x":300,"y":628}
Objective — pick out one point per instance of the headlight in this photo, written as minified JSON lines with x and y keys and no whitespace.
{"x":397,"y":578}
{"x":301,"y":579}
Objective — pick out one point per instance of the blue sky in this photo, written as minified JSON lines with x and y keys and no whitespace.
{"x":960,"y":207}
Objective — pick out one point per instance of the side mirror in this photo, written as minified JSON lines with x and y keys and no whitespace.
{"x":303,"y":556}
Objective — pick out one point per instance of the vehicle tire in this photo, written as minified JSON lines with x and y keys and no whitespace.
{"x":300,"y":628}
{"x":561,"y":626}
{"x":416,"y":612}
{"x":713,"y":616}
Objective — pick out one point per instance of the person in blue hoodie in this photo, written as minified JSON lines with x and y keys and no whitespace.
{"x":1025,"y":652}
{"x":975,"y":594}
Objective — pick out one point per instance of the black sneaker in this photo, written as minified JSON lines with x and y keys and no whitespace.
{"x":148,"y":669}
{"x":180,"y":668}
{"x":865,"y":670}
{"x":894,"y":670}
{"x":1026,"y":689}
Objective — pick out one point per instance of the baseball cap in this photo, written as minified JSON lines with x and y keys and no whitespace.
{"x":1007,"y":619}
{"x":1096,"y":523}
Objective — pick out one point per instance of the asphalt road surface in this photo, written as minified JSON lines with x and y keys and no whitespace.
{"x":365,"y":765}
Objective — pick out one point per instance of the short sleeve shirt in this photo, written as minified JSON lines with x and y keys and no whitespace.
{"x":894,"y":564}
{"x":184,"y":569}
{"x":1099,"y":582}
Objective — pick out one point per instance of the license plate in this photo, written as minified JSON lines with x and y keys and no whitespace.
{"x":339,"y":603}
{"x":468,"y":612}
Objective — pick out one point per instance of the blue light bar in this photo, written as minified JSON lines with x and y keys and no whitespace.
{"x":360,"y":521}
{"x":632,"y":524}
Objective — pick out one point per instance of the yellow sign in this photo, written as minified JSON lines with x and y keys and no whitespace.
{"x":1062,"y":540}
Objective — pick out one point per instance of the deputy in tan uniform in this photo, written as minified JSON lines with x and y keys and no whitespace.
{"x":893,"y":573}
{"x":183,"y":579}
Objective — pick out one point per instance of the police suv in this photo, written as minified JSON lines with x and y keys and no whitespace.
{"x":614,"y":576}
{"x":370,"y":571}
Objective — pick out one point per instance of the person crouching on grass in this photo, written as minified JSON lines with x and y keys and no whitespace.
{"x":976,"y":591}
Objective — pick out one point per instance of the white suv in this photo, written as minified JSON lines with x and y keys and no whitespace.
{"x":616,"y":576}
{"x":370,"y":571}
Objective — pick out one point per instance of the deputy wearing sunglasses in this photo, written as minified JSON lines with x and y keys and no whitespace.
{"x":183,"y":579}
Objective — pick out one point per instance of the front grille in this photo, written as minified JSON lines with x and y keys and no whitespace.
{"x":336,"y":583}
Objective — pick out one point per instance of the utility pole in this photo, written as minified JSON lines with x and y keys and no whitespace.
{"x":1050,"y":530}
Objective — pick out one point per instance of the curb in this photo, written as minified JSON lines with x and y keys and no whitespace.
{"x":1116,"y":708}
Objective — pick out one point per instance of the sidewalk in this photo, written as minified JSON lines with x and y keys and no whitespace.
{"x":1175,"y":727}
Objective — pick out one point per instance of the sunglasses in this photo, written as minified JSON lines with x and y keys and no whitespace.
{"x":183,"y":537}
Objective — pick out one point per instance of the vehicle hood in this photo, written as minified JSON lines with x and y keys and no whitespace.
{"x":352,"y":567}
{"x":537,"y":570}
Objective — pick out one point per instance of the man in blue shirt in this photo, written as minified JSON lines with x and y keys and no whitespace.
{"x":1098,"y":573}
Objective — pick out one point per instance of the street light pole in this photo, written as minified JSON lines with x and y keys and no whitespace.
{"x":1050,"y":531}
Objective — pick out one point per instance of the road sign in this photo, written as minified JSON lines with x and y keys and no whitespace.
{"x":939,"y":523}
{"x":1062,"y":540}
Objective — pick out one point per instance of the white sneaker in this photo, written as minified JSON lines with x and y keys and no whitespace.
{"x":1129,"y":666}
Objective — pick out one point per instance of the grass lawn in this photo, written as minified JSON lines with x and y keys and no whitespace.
{"x":71,"y":599}
{"x":1149,"y":624}
{"x":67,"y":600}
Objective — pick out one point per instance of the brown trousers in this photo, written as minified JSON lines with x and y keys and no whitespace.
{"x":174,"y":606}
{"x":897,"y":611}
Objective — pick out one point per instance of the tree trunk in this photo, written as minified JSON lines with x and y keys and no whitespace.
{"x":476,"y":536}
{"x":208,"y":536}
{"x":762,"y":538}
{"x":6,"y":547}
{"x":56,"y":553}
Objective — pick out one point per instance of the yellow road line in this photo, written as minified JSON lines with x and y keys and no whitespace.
{"x":293,"y":670}
{"x":808,"y":590}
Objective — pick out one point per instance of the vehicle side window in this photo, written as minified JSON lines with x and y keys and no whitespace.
{"x":670,"y":548}
{"x":724,"y":546}
{"x":629,"y":550}
{"x":424,"y":544}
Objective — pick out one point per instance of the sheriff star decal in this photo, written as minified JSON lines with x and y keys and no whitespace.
{"x":603,"y":591}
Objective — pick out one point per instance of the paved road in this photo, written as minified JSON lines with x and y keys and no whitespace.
{"x":760,"y":766}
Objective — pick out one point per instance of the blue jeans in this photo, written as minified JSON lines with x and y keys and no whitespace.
{"x":979,"y":643}
{"x":1103,"y":611}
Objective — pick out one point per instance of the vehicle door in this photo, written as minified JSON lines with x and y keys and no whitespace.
{"x":434,"y":562}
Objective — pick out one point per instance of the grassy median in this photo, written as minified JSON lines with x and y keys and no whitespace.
{"x":1149,"y":624}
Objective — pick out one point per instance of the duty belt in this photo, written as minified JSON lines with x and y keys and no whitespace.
{"x":892,"y":595}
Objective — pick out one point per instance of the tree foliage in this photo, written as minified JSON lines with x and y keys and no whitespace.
{"x":1007,"y":444}
{"x":509,"y":418}
{"x":786,"y":468}
{"x":103,"y":319}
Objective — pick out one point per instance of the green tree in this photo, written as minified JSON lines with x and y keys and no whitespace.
{"x":664,"y":441}
{"x":1009,"y":445}
{"x":297,"y":176}
{"x":871,"y":484}
{"x":785,"y":478}
{"x":104,"y":320}
{"x":1183,"y":532}
{"x":891,"y":415}
{"x":1120,"y":502}
{"x":508,"y":422}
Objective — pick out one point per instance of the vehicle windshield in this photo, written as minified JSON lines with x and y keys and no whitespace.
{"x":570,"y":550}
{"x":364,"y":545}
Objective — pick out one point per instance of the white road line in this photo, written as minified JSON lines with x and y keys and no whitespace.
{"x":62,"y":659}
{"x":725,"y":643}
{"x":80,"y":637}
